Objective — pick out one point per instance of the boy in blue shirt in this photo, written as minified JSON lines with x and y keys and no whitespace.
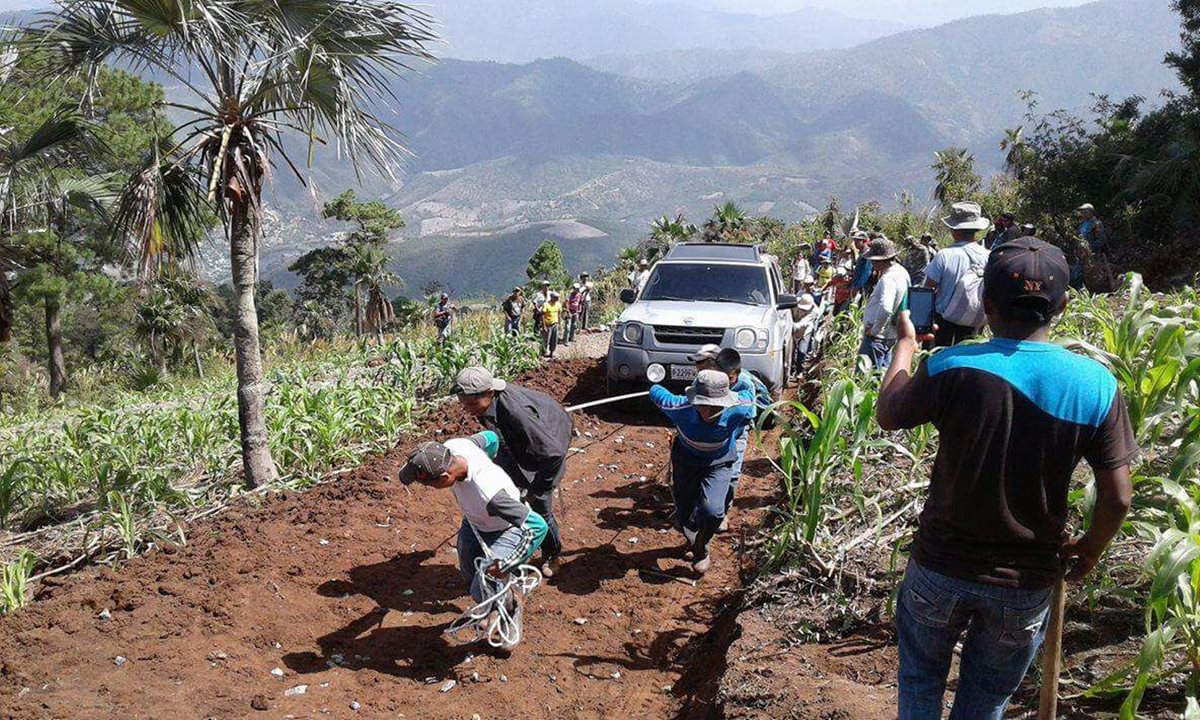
{"x":708,"y":421}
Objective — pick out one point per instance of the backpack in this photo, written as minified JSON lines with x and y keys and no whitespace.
{"x":966,"y":303}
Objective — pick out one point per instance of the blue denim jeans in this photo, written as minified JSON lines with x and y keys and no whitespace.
{"x":878,"y":350}
{"x":502,"y":544}
{"x":735,"y":473}
{"x":700,"y":488}
{"x":1004,"y":628}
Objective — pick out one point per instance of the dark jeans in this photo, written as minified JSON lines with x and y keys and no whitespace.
{"x":512,"y":326}
{"x":549,"y":339}
{"x":701,"y":488}
{"x":1004,"y":628}
{"x":949,"y":334}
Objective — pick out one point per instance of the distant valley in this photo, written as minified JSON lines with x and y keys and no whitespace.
{"x":501,"y":148}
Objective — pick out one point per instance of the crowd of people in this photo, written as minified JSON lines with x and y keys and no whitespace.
{"x":556,"y":319}
{"x":874,"y":271}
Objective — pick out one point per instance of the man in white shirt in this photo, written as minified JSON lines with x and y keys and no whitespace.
{"x":956,"y":274}
{"x":885,"y":303}
{"x":802,"y":271}
{"x":493,"y":514}
{"x":638,"y":278}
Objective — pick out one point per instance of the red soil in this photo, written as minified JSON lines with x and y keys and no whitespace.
{"x":364,"y":569}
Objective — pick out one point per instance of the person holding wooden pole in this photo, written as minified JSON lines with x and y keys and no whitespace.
{"x":1015,"y":415}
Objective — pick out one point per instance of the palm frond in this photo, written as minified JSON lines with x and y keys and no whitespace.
{"x":161,"y":216}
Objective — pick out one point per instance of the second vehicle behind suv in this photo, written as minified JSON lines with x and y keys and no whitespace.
{"x":702,"y":293}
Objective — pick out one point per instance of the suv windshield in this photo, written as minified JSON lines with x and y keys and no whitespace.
{"x":715,"y":283}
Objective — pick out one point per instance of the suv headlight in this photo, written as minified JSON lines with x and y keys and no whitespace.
{"x":751,"y":339}
{"x":631,"y":333}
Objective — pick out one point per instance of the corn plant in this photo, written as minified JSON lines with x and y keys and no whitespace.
{"x":13,"y":578}
{"x":808,"y":463}
{"x":1172,"y":642}
{"x":1153,"y":351}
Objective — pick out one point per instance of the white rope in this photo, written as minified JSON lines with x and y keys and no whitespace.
{"x":492,"y":618}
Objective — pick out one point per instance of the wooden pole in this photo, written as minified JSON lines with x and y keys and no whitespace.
{"x":1052,"y":652}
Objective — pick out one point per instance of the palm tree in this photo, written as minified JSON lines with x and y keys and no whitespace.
{"x":665,"y":232}
{"x":1014,"y":147}
{"x":155,"y":321}
{"x":727,"y":222}
{"x":255,"y":71}
{"x":369,"y":270}
{"x":954,"y":173}
{"x":29,"y":185}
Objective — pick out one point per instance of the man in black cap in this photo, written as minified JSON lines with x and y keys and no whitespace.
{"x":1015,"y":415}
{"x":535,"y":437}
{"x":498,"y":532}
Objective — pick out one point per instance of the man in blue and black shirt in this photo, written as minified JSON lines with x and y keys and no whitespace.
{"x":1015,"y":417}
{"x":708,"y":421}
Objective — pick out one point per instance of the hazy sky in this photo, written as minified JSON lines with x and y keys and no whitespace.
{"x":912,"y":12}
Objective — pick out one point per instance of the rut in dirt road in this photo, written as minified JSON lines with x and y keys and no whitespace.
{"x":319,"y":602}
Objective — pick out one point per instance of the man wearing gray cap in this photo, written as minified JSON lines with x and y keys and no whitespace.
{"x":535,"y":437}
{"x":708,"y":421}
{"x":879,"y":317}
{"x":956,"y":275}
{"x":493,"y":514}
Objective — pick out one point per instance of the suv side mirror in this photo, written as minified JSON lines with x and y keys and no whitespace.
{"x":628,"y":296}
{"x":787,"y":302}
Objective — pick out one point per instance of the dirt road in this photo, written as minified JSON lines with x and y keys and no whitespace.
{"x":332,"y":603}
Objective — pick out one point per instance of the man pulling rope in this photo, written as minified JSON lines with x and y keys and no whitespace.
{"x":498,"y":534}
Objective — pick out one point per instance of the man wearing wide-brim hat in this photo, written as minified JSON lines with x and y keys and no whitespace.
{"x":956,"y":274}
{"x":886,"y":301}
{"x":708,"y":420}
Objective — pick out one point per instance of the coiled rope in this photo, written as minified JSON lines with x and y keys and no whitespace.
{"x":496,"y":618}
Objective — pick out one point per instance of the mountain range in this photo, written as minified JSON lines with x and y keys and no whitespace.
{"x":506,"y":153}
{"x":658,"y":108}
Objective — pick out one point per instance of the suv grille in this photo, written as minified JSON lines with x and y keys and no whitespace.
{"x":680,"y":335}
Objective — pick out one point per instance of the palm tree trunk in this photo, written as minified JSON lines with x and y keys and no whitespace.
{"x":196,"y":359}
{"x":6,"y":310}
{"x":57,"y":364}
{"x":257,"y":464}
{"x":358,"y":322}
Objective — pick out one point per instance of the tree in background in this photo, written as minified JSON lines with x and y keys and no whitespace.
{"x":955,"y":177}
{"x":546,"y":263}
{"x":727,"y":225}
{"x":665,"y":232}
{"x":1015,"y":150}
{"x":831,"y":217}
{"x":255,"y":71}
{"x":369,"y":269}
{"x":356,"y":262}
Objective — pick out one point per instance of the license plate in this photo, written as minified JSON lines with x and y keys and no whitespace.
{"x":683,"y":372}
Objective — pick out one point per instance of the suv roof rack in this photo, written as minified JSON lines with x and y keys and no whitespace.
{"x":715,"y":251}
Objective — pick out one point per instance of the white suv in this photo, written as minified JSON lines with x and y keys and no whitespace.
{"x":701,"y":293}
